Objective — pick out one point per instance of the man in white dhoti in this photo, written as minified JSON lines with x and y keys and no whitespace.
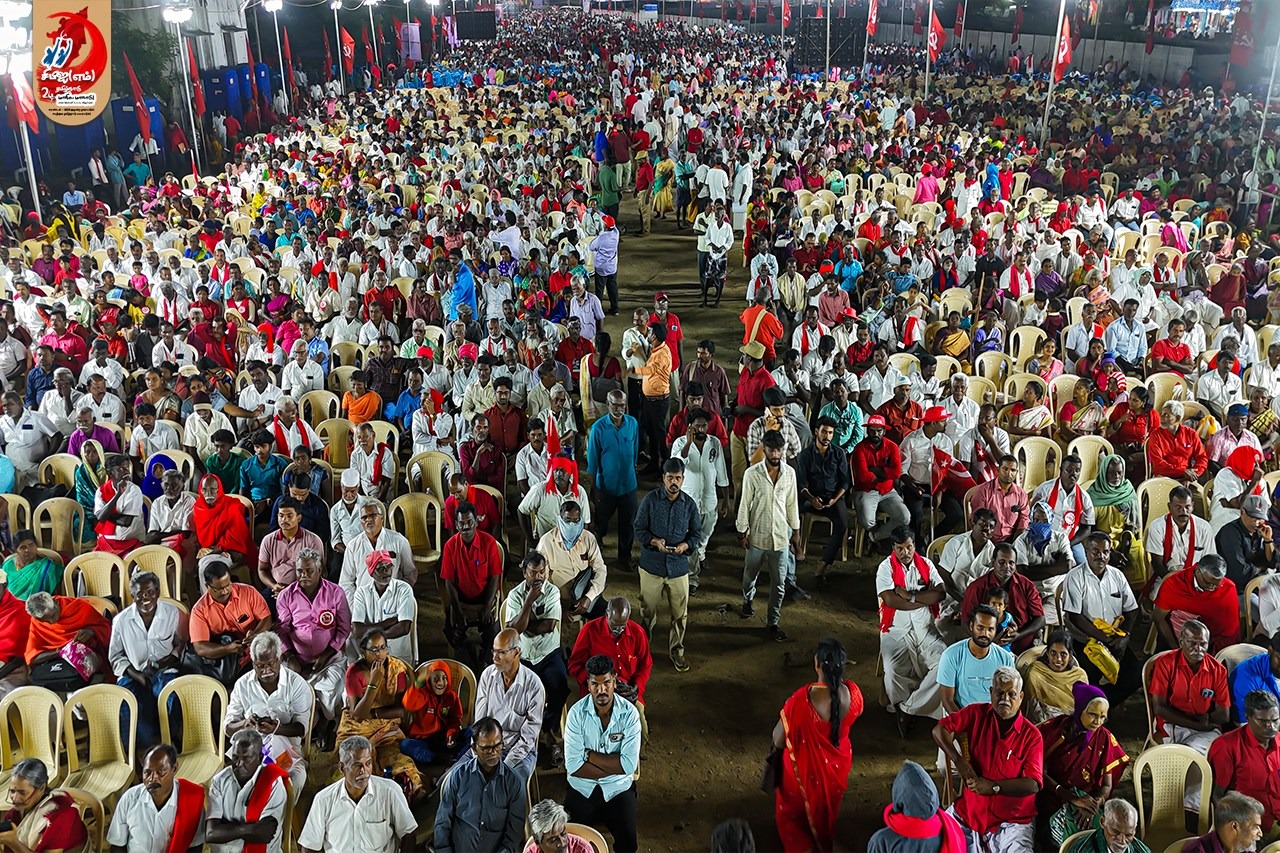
{"x":246,"y":800}
{"x":910,"y":589}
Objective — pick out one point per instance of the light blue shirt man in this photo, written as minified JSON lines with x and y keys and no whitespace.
{"x":1127,"y":338}
{"x":969,"y":676}
{"x":583,"y":732}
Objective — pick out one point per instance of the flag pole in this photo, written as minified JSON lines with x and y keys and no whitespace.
{"x":377,"y":58}
{"x":284,"y":77}
{"x":31,"y":168}
{"x":1266,"y":108}
{"x":828,"y":52}
{"x":928,"y":60}
{"x":1053,"y":73}
{"x":185,"y":62}
{"x":337,"y":34}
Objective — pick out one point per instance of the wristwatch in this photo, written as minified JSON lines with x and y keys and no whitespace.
{"x":995,"y":789}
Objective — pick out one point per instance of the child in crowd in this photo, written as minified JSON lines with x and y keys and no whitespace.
{"x":435,"y":729}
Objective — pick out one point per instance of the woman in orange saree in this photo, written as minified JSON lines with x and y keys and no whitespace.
{"x":813,"y":734}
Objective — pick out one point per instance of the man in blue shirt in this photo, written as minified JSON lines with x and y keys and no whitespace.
{"x":612,"y":454}
{"x":40,"y":379}
{"x":261,"y":473}
{"x":1260,"y":672}
{"x":1127,"y":338}
{"x":966,"y":668}
{"x":464,"y":286}
{"x":482,"y":801}
{"x":601,"y":756}
{"x":668,"y":525}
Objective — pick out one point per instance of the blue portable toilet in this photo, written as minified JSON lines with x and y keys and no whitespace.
{"x":266,"y":88}
{"x":246,"y":93}
{"x":222,"y":91}
{"x":127,"y":124}
{"x":76,"y":143}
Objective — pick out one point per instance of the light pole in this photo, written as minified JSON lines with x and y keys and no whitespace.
{"x":434,"y":3}
{"x":178,"y":14}
{"x":337,"y":34}
{"x":274,"y":7}
{"x":15,"y":58}
{"x":377,"y":58}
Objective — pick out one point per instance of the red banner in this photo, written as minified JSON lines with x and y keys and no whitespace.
{"x":959,"y":30}
{"x":937,"y":38}
{"x":873,"y":17}
{"x":197,"y":90}
{"x":1151,"y":25}
{"x":786,"y":14}
{"x":253,"y":72}
{"x":140,"y":111}
{"x":1017,"y":25}
{"x":348,"y":48}
{"x":288,"y":59}
{"x":917,"y":25}
{"x":1062,"y":56}
{"x":24,"y":102}
{"x":328,"y":59}
{"x":1242,"y":35}
{"x":368,"y":48}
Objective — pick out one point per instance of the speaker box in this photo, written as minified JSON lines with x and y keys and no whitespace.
{"x":477,"y":26}
{"x":847,"y":37}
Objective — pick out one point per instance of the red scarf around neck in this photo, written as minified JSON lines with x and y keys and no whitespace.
{"x":939,"y":825}
{"x":1169,"y":528}
{"x":259,"y":797}
{"x":1072,"y":519}
{"x":899,"y":576}
{"x":282,"y":435}
{"x":189,"y":814}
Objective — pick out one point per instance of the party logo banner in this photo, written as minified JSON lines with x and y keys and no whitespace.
{"x":71,"y":59}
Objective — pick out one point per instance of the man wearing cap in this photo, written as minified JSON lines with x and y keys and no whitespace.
{"x":1246,"y":543}
{"x":761,"y":326}
{"x":877,"y":467}
{"x":753,"y":378}
{"x":902,"y":415}
{"x":344,"y":519}
{"x":604,"y":252}
{"x":916,"y":484}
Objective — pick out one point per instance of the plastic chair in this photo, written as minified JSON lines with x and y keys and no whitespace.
{"x":165,"y":562}
{"x":103,"y":576}
{"x":418,"y":517}
{"x":1148,"y":667}
{"x":1091,"y":449}
{"x":1168,"y":765}
{"x":806,"y":531}
{"x":1066,"y":845}
{"x":204,"y":740}
{"x":1016,"y":385}
{"x":1033,"y":453}
{"x":906,"y":363}
{"x":1179,"y":845}
{"x":1023,"y":342}
{"x":336,"y":434}
{"x":1273,"y":847}
{"x":981,"y":390}
{"x":109,"y":769}
{"x":59,"y":469}
{"x":383,"y":433}
{"x":339,"y":381}
{"x":318,"y":406}
{"x":346,"y":354}
{"x":58,"y":523}
{"x":428,"y":472}
{"x":1166,"y":386}
{"x":590,"y":835}
{"x":995,"y":366}
{"x":21,"y":712}
{"x":1075,"y":308}
{"x":19,"y":511}
{"x":92,"y":813}
{"x":184,"y":461}
{"x":947,"y":367}
{"x":464,"y":683}
{"x":1153,"y":498}
{"x":1236,"y":654}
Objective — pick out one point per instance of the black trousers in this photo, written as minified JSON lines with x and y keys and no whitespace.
{"x":626,"y":506}
{"x":839,"y":515}
{"x":608,"y":282}
{"x":635,"y":402}
{"x":455,"y":632}
{"x":554,"y":675}
{"x":617,"y":815}
{"x":653,"y":424}
{"x":1128,"y":682}
{"x":917,"y":505}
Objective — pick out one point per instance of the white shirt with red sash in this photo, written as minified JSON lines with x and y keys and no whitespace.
{"x":1073,"y":507}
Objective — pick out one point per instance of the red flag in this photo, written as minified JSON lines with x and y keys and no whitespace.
{"x":197,"y":90}
{"x":770,"y":17}
{"x":1017,"y":25}
{"x":873,"y":17}
{"x":819,"y":12}
{"x":24,"y":101}
{"x":949,"y":474}
{"x":917,"y":26}
{"x":553,"y":439}
{"x":288,"y":59}
{"x":937,"y":38}
{"x":1242,"y":35}
{"x":844,"y":8}
{"x":368,"y":48}
{"x":786,"y":14}
{"x":751,"y":11}
{"x":1062,"y":56}
{"x":328,"y":59}
{"x":1151,"y":25}
{"x":1077,"y":32}
{"x":253,"y":72}
{"x":348,"y":50}
{"x":1093,"y":11}
{"x":959,"y":30}
{"x":140,"y":111}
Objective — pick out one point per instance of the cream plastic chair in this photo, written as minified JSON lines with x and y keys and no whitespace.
{"x":418,"y":517}
{"x":204,"y":740}
{"x":1016,"y":385}
{"x":19,"y":511}
{"x":92,"y":813}
{"x":102,"y":574}
{"x":1164,"y":820}
{"x":60,"y":468}
{"x":1179,"y":845}
{"x":906,"y":363}
{"x":339,"y":381}
{"x":346,"y":354}
{"x":464,"y":684}
{"x":995,"y":366}
{"x":590,"y":835}
{"x":1153,"y":498}
{"x":981,"y":390}
{"x":109,"y":769}
{"x":1033,"y":453}
{"x":1236,"y":654}
{"x":22,"y":711}
{"x":318,"y":406}
{"x":1072,"y":839}
{"x":58,"y":523}
{"x":1023,"y":342}
{"x":165,"y":562}
{"x":1091,"y":449}
{"x":1166,"y":386}
{"x":336,"y":434}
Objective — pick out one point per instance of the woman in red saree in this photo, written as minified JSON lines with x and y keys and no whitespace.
{"x":221,"y":523}
{"x":1082,"y":763}
{"x":813,"y":734}
{"x":1228,"y":292}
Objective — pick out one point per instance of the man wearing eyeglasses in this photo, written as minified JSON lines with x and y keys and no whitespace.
{"x":480,"y":790}
{"x":513,"y":695}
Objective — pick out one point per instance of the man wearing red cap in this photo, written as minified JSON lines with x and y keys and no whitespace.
{"x":604,"y":251}
{"x":918,"y":451}
{"x":877,"y":465}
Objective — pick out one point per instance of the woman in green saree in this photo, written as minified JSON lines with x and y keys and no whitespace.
{"x":90,"y":474}
{"x":28,"y":571}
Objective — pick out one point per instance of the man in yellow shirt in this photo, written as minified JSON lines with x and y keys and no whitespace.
{"x":656,"y":386}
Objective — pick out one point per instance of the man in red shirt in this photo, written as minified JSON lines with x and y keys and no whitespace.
{"x":572,"y":349}
{"x":1171,"y":354}
{"x":997,"y":804}
{"x":470,"y":574}
{"x":624,"y":642}
{"x":1175,"y":450}
{"x":675,"y":335}
{"x":761,"y":325}
{"x":748,"y":405}
{"x":902,"y":415}
{"x":508,"y":423}
{"x":1189,"y":697}
{"x":877,"y":465}
{"x":1247,"y":760}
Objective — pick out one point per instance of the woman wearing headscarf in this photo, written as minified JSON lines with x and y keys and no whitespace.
{"x":1044,"y":551}
{"x":1082,"y":763}
{"x":1049,"y":679}
{"x":221,"y":524}
{"x":1115,"y":510}
{"x":914,"y":821}
{"x":90,"y":474}
{"x":1239,"y":478}
{"x":153,"y":470}
{"x":817,"y":754}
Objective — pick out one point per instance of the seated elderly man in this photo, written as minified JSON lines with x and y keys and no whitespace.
{"x":374,"y":536}
{"x":1116,"y":833}
{"x":386,"y":604}
{"x":41,"y":818}
{"x":276,"y":701}
{"x":68,"y":642}
{"x":1201,"y":592}
{"x":375,"y":462}
{"x":246,"y":807}
{"x":514,"y":695}
{"x":172,"y":519}
{"x":532,"y":608}
{"x":119,"y":509}
{"x":910,"y":590}
{"x":1247,"y":759}
{"x":549,"y":833}
{"x":1237,"y":826}
{"x":224,"y":621}
{"x":1189,"y":697}
{"x":1098,"y":604}
{"x":362,"y":811}
{"x":26,"y":437}
{"x":147,"y":641}
{"x":482,"y":800}
{"x":1004,"y":770}
{"x":544,"y":500}
{"x":1175,"y":449}
{"x":314,"y":624}
{"x":162,"y":812}
{"x":575,"y":564}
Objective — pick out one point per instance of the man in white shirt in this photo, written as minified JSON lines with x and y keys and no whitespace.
{"x":149,"y":818}
{"x":513,"y":695}
{"x":768,"y":524}
{"x":360,"y":813}
{"x":25,"y":437}
{"x":1096,"y":592}
{"x":301,"y":374}
{"x":1177,"y":539}
{"x":1238,"y":328}
{"x":170,"y":350}
{"x":374,"y":536}
{"x":344,"y":519}
{"x":273,"y":698}
{"x":346,"y":326}
{"x":962,"y":409}
{"x":237,"y":815}
{"x":1219,"y":388}
{"x":910,"y":590}
{"x":706,"y":480}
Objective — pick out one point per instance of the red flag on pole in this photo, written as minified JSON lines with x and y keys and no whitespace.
{"x":368,"y":48}
{"x":959,"y":30}
{"x":819,"y":12}
{"x":197,"y":90}
{"x":253,"y":72}
{"x":1062,"y":56}
{"x":1017,"y":25}
{"x":917,"y":26}
{"x":1242,"y":35}
{"x":24,"y":101}
{"x":328,"y":59}
{"x":140,"y":111}
{"x":770,"y":17}
{"x":1151,"y":25}
{"x":786,"y":14}
{"x":948,"y":474}
{"x":348,"y":50}
{"x":288,"y":59}
{"x":937,"y":38}
{"x":873,"y":17}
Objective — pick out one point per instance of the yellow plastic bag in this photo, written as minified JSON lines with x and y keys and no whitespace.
{"x":1101,"y":657}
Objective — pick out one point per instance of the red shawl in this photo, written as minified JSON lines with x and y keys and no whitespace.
{"x":900,"y":581}
{"x":259,"y":797}
{"x":76,"y":614}
{"x":223,"y":525}
{"x":1219,"y":610}
{"x":282,"y":435}
{"x":190,"y":813}
{"x":940,"y":825}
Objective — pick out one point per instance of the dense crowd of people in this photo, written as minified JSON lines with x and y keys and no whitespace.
{"x":246,"y":417}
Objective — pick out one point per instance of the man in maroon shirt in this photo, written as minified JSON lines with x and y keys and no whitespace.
{"x":481,"y":459}
{"x":616,"y":637}
{"x":572,"y":349}
{"x":470,"y":577}
{"x":753,"y":379}
{"x":508,"y":423}
{"x":1004,"y":771}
